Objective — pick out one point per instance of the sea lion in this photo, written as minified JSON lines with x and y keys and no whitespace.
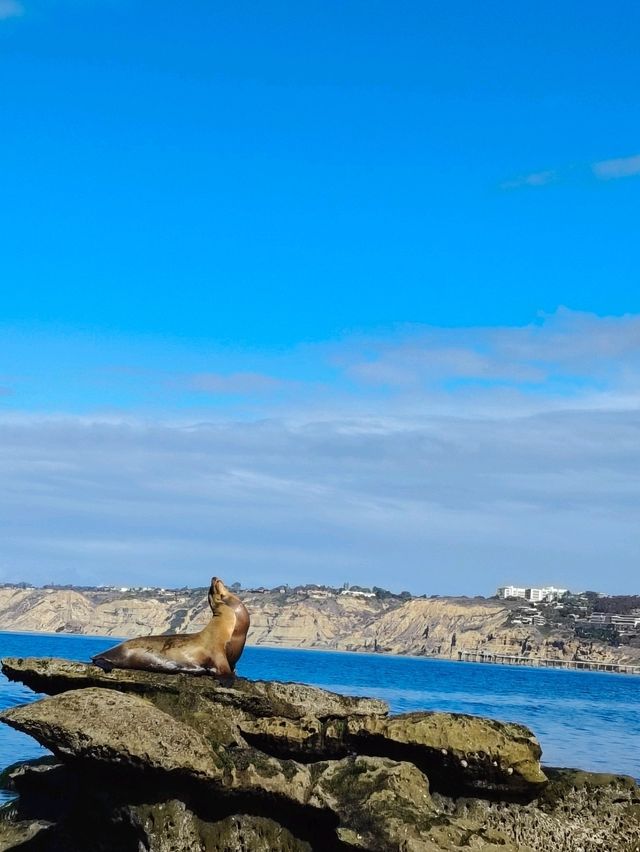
{"x":215,"y":650}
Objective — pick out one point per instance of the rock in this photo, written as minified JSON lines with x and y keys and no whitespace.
{"x":254,"y":697}
{"x":122,"y":732}
{"x":382,"y":804}
{"x":14,"y":834}
{"x":461,"y":755}
{"x":438,"y":743}
{"x":95,"y":820}
{"x":111,"y":728}
{"x":45,"y":788}
{"x":171,"y":826}
{"x":182,"y":764}
{"x":302,"y":739}
{"x":578,"y":812}
{"x":127,"y":736}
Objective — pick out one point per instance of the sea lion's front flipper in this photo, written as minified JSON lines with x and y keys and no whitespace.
{"x":102,"y":663}
{"x":219,"y":665}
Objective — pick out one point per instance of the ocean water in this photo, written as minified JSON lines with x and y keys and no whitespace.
{"x":589,"y":720}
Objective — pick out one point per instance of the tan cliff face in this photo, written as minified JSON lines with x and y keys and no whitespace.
{"x":434,"y":627}
{"x":308,"y":622}
{"x":429,"y":626}
{"x":57,"y":611}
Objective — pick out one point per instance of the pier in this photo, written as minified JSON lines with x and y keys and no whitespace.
{"x":545,"y":662}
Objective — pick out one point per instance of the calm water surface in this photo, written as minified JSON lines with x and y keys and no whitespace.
{"x":589,"y":720}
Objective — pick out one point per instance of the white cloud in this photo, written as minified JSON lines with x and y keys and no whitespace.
{"x":441,"y":460}
{"x":618,"y":168}
{"x":438,"y":504}
{"x":534,"y":179}
{"x":571,"y":356}
{"x":10,"y":9}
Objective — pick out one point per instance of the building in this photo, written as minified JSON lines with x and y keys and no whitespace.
{"x":511,"y":592}
{"x":535,"y":595}
{"x":356,"y":593}
{"x":603,"y":618}
{"x":547,"y":593}
{"x":535,"y":620}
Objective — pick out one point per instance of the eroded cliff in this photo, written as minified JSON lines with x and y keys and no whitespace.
{"x":436,"y":627}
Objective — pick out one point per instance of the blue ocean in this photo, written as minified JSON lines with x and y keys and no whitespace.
{"x":589,"y":720}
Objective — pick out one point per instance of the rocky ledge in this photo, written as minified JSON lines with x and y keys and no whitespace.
{"x":158,"y":762}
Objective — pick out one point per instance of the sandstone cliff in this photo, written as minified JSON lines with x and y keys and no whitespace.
{"x":435,"y":627}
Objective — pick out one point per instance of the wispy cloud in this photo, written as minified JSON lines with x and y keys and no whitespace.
{"x":233,"y":383}
{"x":620,"y":167}
{"x":617,"y":168}
{"x":438,"y":460}
{"x":566,"y":355}
{"x":436,"y":504}
{"x":10,"y":9}
{"x":534,"y":179}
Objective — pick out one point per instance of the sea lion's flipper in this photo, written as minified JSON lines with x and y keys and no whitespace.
{"x":102,"y":663}
{"x":219,"y":665}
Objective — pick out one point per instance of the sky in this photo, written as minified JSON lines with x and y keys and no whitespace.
{"x":321,"y":292}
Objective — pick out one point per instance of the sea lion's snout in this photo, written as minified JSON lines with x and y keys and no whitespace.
{"x":218,"y":589}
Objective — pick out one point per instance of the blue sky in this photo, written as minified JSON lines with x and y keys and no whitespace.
{"x":322,"y":290}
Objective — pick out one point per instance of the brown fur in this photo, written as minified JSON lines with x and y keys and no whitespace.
{"x":215,"y":650}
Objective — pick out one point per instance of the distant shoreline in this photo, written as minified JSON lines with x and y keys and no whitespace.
{"x":62,"y":633}
{"x":424,"y":628}
{"x":534,"y":664}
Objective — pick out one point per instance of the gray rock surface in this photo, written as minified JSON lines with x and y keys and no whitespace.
{"x":183,"y":764}
{"x":109,"y":728}
{"x":255,"y":697}
{"x":459,"y":753}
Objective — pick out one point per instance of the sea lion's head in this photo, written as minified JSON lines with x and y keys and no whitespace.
{"x":218,"y":593}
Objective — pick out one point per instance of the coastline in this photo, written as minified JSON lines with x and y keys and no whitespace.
{"x":534,"y":663}
{"x":427,"y":628}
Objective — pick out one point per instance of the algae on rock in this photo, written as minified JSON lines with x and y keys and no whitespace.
{"x":180,"y":764}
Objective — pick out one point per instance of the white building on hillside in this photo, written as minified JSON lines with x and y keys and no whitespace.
{"x":615,"y":618}
{"x":546,"y":593}
{"x":356,"y":593}
{"x":511,"y":592}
